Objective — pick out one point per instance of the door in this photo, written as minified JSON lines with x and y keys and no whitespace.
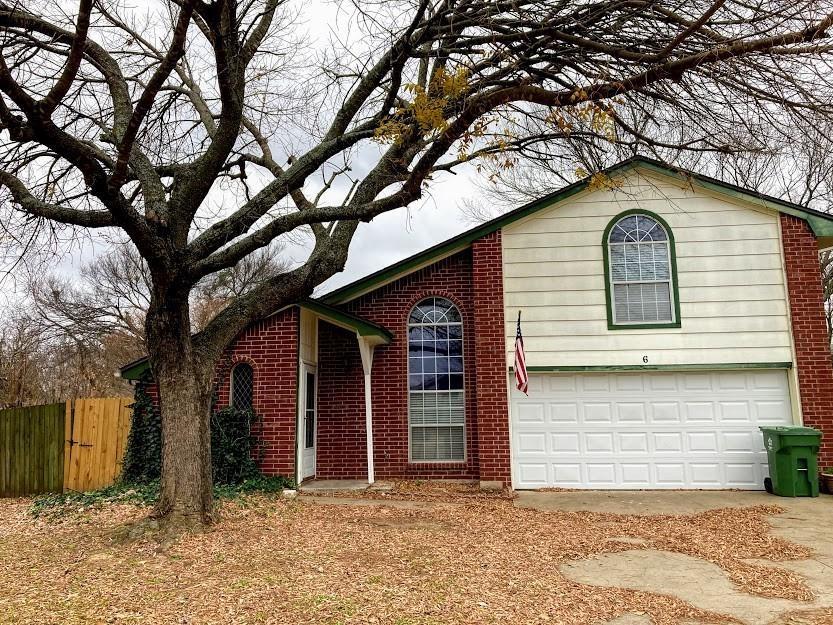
{"x":646,"y":430}
{"x":96,"y":438}
{"x":310,"y":422}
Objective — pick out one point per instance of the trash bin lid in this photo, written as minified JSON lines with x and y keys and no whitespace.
{"x":793,"y":430}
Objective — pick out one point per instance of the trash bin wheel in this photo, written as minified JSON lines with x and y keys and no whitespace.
{"x":768,"y":484}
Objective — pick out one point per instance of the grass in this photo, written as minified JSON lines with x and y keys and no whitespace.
{"x":56,"y":505}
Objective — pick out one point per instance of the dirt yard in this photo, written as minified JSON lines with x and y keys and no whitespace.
{"x":413,"y":558}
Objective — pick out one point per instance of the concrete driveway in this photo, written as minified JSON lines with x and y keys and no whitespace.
{"x":806,"y":521}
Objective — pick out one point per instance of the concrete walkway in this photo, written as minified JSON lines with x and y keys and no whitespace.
{"x":806,"y":521}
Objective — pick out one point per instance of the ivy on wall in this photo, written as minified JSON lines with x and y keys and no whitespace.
{"x":235,"y":446}
{"x":143,"y":456}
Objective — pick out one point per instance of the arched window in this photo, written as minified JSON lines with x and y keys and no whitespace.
{"x":242,"y":386}
{"x":640,"y":272}
{"x":436,"y":403}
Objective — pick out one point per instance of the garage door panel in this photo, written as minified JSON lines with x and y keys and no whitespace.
{"x":534,"y":474}
{"x":531,"y":412}
{"x":630,"y":442}
{"x":665,"y":412}
{"x":566,"y":442}
{"x":702,"y":442}
{"x":670,"y":474}
{"x":651,"y":430}
{"x":735,"y":411}
{"x":631,"y":412}
{"x":665,"y":442}
{"x":532,"y":443}
{"x":705,"y":474}
{"x":743,"y":475}
{"x":567,"y":474}
{"x":699,"y":412}
{"x":598,"y":413}
{"x":598,"y":442}
{"x":770,"y":411}
{"x":744,"y":441}
{"x":636,"y":474}
{"x":601,"y":474}
{"x":564,"y":412}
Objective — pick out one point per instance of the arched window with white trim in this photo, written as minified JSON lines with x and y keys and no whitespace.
{"x":640,"y":272}
{"x":436,"y":399}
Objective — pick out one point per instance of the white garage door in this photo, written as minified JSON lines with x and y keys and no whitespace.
{"x":646,"y":430}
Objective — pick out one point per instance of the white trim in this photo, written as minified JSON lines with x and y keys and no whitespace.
{"x":366,"y":351}
{"x":613,"y":282}
{"x":304,"y":369}
{"x":462,"y":391}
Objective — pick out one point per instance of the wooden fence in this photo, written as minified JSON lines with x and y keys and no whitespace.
{"x":77,"y":445}
{"x":32,"y":450}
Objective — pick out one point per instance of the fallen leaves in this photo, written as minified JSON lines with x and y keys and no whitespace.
{"x":463,"y":557}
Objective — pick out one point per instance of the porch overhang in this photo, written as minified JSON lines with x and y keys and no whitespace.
{"x":372,"y":333}
{"x":365,"y":330}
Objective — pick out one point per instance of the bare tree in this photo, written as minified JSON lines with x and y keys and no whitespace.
{"x":203,"y":133}
{"x":112,"y":295}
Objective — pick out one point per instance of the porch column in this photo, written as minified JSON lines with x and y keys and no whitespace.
{"x":366,"y":349}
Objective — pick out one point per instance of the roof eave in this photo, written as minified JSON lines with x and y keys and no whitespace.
{"x":820,"y":223}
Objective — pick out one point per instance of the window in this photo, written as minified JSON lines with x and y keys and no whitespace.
{"x":309,"y":411}
{"x":640,"y":272}
{"x":436,"y":403}
{"x":242,"y":386}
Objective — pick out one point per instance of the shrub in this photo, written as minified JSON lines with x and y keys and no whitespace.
{"x":235,"y":446}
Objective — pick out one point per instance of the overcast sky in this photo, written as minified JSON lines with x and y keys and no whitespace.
{"x":389,"y":238}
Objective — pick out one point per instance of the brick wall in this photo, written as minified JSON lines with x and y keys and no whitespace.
{"x":389,"y":306}
{"x":472,"y":279}
{"x":342,"y":440}
{"x":812,"y":347}
{"x":270,"y":346}
{"x":490,"y":358}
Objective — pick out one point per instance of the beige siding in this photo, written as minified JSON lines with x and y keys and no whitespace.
{"x":309,"y":337}
{"x":733,"y":303}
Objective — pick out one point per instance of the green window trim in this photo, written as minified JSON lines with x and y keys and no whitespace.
{"x":672,"y":251}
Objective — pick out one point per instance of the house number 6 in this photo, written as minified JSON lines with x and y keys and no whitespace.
{"x":645,"y":359}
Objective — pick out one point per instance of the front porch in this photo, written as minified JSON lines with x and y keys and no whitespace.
{"x":314,"y":487}
{"x":335,"y":415}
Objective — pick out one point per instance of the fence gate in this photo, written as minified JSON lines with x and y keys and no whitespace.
{"x":31,"y":450}
{"x":96,"y":437}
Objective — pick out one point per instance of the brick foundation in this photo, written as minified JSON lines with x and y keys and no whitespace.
{"x":809,"y":327}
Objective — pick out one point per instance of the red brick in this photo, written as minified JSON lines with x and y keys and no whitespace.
{"x":809,"y":326}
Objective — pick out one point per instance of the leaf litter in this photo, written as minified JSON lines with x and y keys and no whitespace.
{"x":465,"y":557}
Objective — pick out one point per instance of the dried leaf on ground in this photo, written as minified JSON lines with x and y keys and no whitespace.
{"x":460,"y":558}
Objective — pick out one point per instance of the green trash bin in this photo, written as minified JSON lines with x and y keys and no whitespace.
{"x":792,"y":452}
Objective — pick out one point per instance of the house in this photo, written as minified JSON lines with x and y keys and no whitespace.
{"x":666,"y":316}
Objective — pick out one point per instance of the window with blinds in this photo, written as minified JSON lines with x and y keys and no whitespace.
{"x":640,"y":271}
{"x":436,"y":400}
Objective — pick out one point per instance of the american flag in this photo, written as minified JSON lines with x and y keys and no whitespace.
{"x":521,"y":378}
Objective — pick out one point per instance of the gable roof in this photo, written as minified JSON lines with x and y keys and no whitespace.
{"x":820,"y":223}
{"x":364,"y":328}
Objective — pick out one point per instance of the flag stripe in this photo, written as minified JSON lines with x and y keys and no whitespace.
{"x":521,"y":377}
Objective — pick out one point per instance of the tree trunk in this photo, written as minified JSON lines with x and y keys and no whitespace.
{"x":186,"y":496}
